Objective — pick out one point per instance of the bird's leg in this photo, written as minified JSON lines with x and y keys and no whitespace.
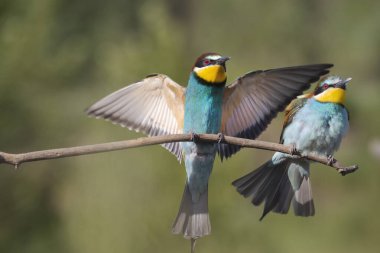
{"x":330,"y":160}
{"x":194,"y":137}
{"x":220,"y":138}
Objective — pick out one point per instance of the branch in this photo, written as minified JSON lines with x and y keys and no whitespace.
{"x":17,"y":159}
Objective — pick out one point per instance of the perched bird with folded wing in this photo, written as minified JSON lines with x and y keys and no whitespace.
{"x":158,"y":106}
{"x":314,"y":123}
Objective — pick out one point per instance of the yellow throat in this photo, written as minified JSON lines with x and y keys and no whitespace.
{"x":332,"y":95}
{"x":212,"y":73}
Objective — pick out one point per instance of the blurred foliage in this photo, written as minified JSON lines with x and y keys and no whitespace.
{"x":57,"y":57}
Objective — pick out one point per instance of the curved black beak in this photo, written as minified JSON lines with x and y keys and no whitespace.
{"x":342,"y":84}
{"x":222,"y":60}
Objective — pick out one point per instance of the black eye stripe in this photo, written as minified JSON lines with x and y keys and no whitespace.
{"x":324,"y":87}
{"x":205,"y":62}
{"x":328,"y":85}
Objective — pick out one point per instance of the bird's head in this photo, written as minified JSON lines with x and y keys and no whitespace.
{"x":211,"y":68}
{"x":331,"y":89}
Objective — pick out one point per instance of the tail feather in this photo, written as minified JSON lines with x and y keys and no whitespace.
{"x":278,"y":186}
{"x":303,"y":203}
{"x":285,"y":198}
{"x":249,"y":184}
{"x":280,"y":197}
{"x":298,"y":173}
{"x":192,"y":219}
{"x":269,"y":188}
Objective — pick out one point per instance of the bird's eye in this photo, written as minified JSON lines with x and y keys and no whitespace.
{"x":325,"y":86}
{"x":206,"y":62}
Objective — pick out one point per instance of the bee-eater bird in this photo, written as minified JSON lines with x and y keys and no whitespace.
{"x":158,"y":106}
{"x":314,"y":123}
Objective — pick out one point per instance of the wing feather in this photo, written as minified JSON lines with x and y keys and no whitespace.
{"x":291,"y":110}
{"x":154,"y":106}
{"x":253,"y":100}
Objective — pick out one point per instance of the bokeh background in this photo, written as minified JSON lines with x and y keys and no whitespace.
{"x":59,"y":56}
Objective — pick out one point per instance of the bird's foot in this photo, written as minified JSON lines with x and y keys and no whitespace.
{"x":331,"y":160}
{"x":293,"y":150}
{"x":221,"y":138}
{"x":194,"y":137}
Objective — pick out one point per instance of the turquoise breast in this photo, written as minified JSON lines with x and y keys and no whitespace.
{"x":203,"y":107}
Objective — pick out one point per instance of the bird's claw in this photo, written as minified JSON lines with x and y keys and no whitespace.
{"x":221,"y":138}
{"x":293,"y":150}
{"x":330,"y":160}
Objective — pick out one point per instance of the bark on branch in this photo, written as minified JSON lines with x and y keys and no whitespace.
{"x":17,"y":159}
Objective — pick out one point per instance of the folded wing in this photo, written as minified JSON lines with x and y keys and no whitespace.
{"x":253,"y":100}
{"x":154,"y":106}
{"x":292,"y":109}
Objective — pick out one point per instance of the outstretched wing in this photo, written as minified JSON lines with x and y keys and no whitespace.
{"x":154,"y":106}
{"x":253,"y":100}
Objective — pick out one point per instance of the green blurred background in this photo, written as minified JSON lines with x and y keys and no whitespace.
{"x":59,"y":56}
